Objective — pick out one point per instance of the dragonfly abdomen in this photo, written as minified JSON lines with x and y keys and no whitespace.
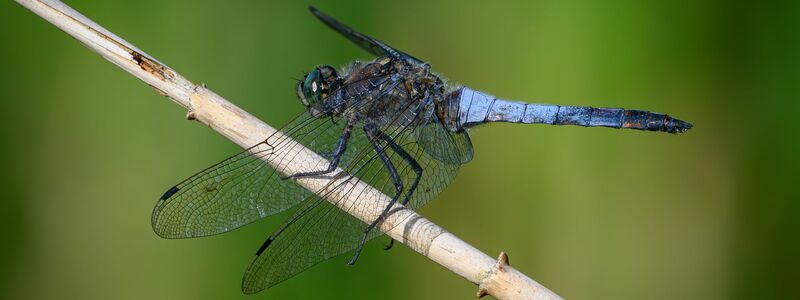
{"x":476,"y":108}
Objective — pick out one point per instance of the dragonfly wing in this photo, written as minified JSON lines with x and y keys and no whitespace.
{"x":242,"y":188}
{"x":440,"y":143}
{"x":364,"y":41}
{"x":320,"y":230}
{"x":444,"y":145}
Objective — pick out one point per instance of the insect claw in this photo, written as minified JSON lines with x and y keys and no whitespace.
{"x":389,"y":245}
{"x":352,"y":262}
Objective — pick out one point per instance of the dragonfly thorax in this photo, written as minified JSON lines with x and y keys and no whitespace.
{"x":386,"y":91}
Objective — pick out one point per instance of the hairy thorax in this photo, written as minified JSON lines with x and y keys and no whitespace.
{"x":389,"y":92}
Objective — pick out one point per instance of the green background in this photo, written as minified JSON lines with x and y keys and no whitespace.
{"x":591,"y":213}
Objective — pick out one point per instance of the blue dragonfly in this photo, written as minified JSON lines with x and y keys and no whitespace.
{"x":390,"y":122}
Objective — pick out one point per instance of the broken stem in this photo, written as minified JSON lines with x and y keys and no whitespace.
{"x":494,"y":278}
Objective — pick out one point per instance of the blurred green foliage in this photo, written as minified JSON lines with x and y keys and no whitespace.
{"x":590,"y":213}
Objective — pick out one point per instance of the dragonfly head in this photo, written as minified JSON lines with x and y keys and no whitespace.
{"x":315,"y":88}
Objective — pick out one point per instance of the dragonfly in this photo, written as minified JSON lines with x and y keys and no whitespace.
{"x":390,"y":122}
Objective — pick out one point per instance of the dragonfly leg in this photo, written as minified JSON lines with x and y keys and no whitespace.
{"x":411,"y":162}
{"x":390,"y":245}
{"x":335,"y":156}
{"x":372,"y":136}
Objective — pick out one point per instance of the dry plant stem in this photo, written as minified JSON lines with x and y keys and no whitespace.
{"x":494,"y":278}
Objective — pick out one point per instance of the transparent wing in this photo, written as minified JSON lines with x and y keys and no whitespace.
{"x":319,"y":230}
{"x":242,"y":188}
{"x":364,"y":41}
{"x":444,"y":145}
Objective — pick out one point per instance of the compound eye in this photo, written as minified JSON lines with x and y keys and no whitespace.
{"x":312,"y":87}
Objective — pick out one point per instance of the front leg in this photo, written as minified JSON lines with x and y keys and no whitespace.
{"x":335,"y":156}
{"x":373,"y":136}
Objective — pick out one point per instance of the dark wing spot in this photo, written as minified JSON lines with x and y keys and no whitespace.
{"x":264,"y":246}
{"x":170,"y":192}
